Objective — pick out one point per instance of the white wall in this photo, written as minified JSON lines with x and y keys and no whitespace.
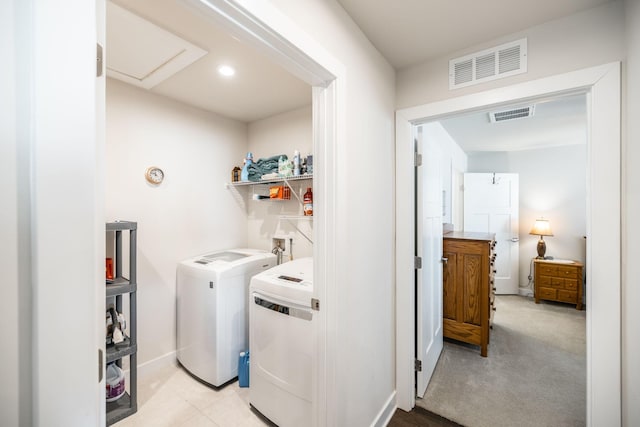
{"x":361,"y":378}
{"x":10,"y":336}
{"x":552,"y":185}
{"x":455,"y":162}
{"x":592,"y":37}
{"x":631,"y":227}
{"x":280,"y":134}
{"x":191,"y":212}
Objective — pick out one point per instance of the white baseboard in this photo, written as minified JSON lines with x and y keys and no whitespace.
{"x":525,"y":292}
{"x":153,"y":366}
{"x":386,"y":413}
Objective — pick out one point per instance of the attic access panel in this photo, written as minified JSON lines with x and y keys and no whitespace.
{"x":141,"y":53}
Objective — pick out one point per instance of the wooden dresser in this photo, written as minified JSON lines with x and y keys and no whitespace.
{"x":468,"y":292}
{"x":555,"y":281}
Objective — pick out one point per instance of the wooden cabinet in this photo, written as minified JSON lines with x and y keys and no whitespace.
{"x":468,"y":290}
{"x":555,"y":281}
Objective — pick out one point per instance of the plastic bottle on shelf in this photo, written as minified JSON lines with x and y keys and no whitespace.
{"x":244,"y":175}
{"x":296,"y":163}
{"x":307,"y":202}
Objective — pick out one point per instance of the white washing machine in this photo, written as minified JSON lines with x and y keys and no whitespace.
{"x":212,"y":313}
{"x":282,"y":343}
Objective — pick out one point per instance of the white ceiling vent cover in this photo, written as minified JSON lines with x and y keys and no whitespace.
{"x":143,"y":54}
{"x":501,"y":61}
{"x":511,"y":114}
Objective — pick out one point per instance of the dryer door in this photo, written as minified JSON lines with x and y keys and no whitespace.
{"x":282,"y":351}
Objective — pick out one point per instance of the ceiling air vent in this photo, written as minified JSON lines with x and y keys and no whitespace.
{"x":501,"y":61}
{"x":514,"y":113}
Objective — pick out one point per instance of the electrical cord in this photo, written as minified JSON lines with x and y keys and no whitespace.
{"x":530,"y":277}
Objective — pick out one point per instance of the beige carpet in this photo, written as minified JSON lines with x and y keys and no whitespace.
{"x":534,"y":375}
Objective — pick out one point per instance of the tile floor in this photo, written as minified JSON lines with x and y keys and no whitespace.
{"x":173,"y":398}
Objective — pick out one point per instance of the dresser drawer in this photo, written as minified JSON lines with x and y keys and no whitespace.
{"x":545,"y":281}
{"x":547,"y":293}
{"x":548,"y":270}
{"x":557,"y":282}
{"x":571,"y":284}
{"x":567,"y":296}
{"x":569,"y":272}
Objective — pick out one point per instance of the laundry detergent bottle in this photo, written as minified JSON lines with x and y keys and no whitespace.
{"x":244,"y":175}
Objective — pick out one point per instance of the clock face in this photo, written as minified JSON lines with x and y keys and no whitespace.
{"x":154,"y":175}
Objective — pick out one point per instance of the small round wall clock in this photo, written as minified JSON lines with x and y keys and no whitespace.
{"x":154,"y":175}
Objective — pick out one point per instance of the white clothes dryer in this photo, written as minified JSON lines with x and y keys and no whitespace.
{"x":212,"y":293}
{"x":282,"y":342}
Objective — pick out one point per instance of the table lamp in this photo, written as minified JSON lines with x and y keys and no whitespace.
{"x":541,"y":228}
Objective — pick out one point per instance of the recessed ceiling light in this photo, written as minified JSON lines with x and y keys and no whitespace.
{"x":226,"y":70}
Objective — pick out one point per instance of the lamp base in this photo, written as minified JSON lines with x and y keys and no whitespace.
{"x":542,"y":248}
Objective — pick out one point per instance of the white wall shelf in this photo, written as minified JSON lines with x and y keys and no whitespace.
{"x":270,"y":181}
{"x":291,"y":219}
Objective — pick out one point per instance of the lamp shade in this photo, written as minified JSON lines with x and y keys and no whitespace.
{"x":541,"y":228}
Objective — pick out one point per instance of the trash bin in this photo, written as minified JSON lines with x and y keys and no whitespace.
{"x":243,"y":369}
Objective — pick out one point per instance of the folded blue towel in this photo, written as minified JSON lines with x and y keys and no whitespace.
{"x":264,"y":166}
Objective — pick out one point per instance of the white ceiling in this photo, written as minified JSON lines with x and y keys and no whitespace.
{"x":259,"y":89}
{"x":408,"y":32}
{"x":555,"y":122}
{"x":404,"y":31}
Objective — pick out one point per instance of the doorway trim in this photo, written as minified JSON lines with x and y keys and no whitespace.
{"x":285,"y":44}
{"x":602,"y":86}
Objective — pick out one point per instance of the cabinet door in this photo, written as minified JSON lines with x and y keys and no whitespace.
{"x":470,"y":301}
{"x":450,"y":280}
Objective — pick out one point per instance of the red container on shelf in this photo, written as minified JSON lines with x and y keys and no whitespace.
{"x":109,"y":268}
{"x":307,"y":203}
{"x":280,"y":192}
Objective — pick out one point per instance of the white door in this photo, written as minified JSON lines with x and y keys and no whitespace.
{"x":429,"y":248}
{"x":491,"y":206}
{"x":100,"y":101}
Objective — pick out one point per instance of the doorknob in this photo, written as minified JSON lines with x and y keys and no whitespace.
{"x":444,"y":260}
{"x":515,"y":239}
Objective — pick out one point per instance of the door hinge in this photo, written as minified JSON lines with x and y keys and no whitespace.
{"x":417,"y":159}
{"x":315,"y":304}
{"x":417,"y":262}
{"x":100,"y":367}
{"x":98,"y":60}
{"x":418,"y":365}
